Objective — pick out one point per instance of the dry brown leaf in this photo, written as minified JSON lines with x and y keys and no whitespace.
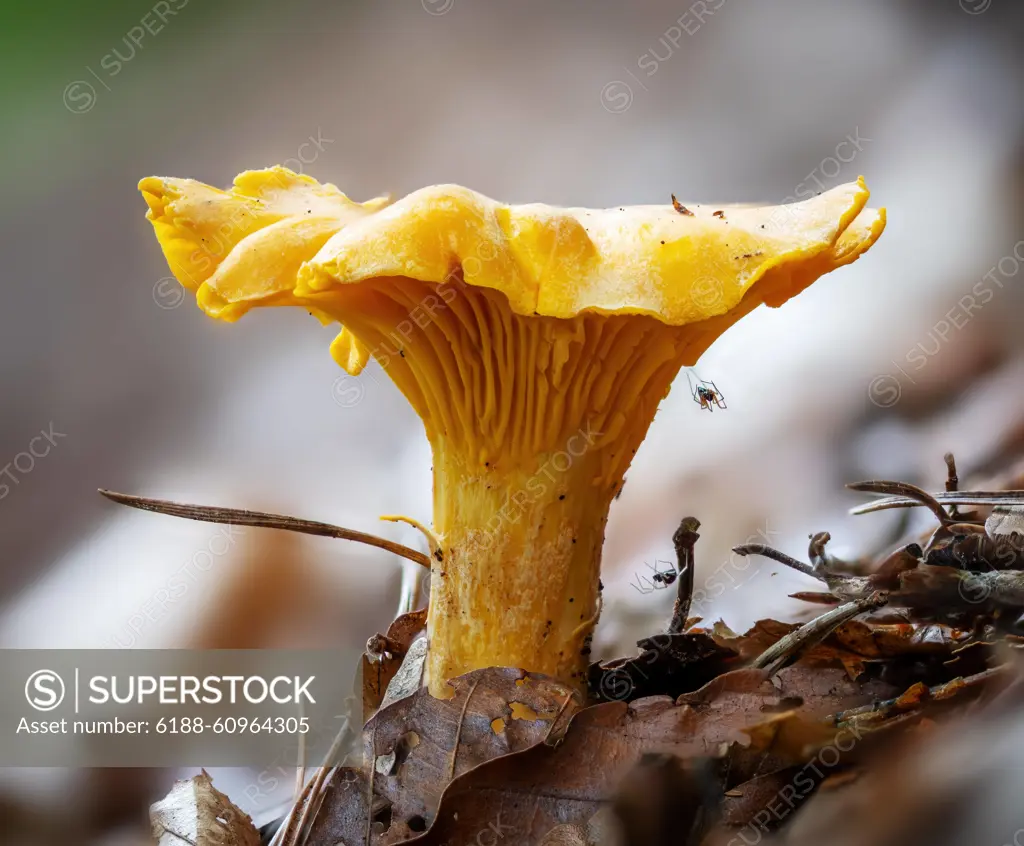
{"x":420,"y":743}
{"x":742,"y":804}
{"x":668,"y":665}
{"x":816,"y":693}
{"x":754,"y":641}
{"x":790,"y":737}
{"x":417,"y":745}
{"x":548,"y":785}
{"x":569,"y":835}
{"x":887,"y":640}
{"x":851,"y":644}
{"x":384,"y":656}
{"x":766,"y":633}
{"x":917,"y":699}
{"x":196,"y":813}
{"x":602,"y":829}
{"x":932,"y":786}
{"x":345,"y":816}
{"x":1005,"y":520}
{"x":409,"y":677}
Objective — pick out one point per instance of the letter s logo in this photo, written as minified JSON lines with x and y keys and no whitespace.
{"x":44,"y":690}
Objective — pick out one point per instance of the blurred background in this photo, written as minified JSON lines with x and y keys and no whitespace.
{"x":112,"y":378}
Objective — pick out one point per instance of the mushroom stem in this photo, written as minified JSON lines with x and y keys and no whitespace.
{"x":518,"y":583}
{"x":533,"y":422}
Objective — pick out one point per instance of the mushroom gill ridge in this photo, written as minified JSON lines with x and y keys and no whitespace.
{"x":503,"y":384}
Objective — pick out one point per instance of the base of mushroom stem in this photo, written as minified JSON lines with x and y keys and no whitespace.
{"x":518,"y":583}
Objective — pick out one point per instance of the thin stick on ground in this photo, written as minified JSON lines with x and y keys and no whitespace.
{"x":952,"y":479}
{"x":935,"y":692}
{"x":262,"y":519}
{"x":781,"y":557}
{"x":285,"y":832}
{"x":943,"y":498}
{"x":780,"y":653}
{"x":905,"y":489}
{"x":300,"y":770}
{"x":685,"y":538}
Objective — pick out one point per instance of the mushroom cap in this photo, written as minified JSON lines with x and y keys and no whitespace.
{"x":280,"y":238}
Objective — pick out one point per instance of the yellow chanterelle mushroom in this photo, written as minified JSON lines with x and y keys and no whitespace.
{"x":535,"y":343}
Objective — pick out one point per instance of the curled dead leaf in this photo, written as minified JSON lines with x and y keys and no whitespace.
{"x":417,"y":744}
{"x":195,"y":812}
{"x":532,"y":791}
{"x":384,"y":655}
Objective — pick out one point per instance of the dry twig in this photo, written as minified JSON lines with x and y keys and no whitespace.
{"x":781,"y":557}
{"x":262,"y":519}
{"x":780,"y":653}
{"x":684,"y":539}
